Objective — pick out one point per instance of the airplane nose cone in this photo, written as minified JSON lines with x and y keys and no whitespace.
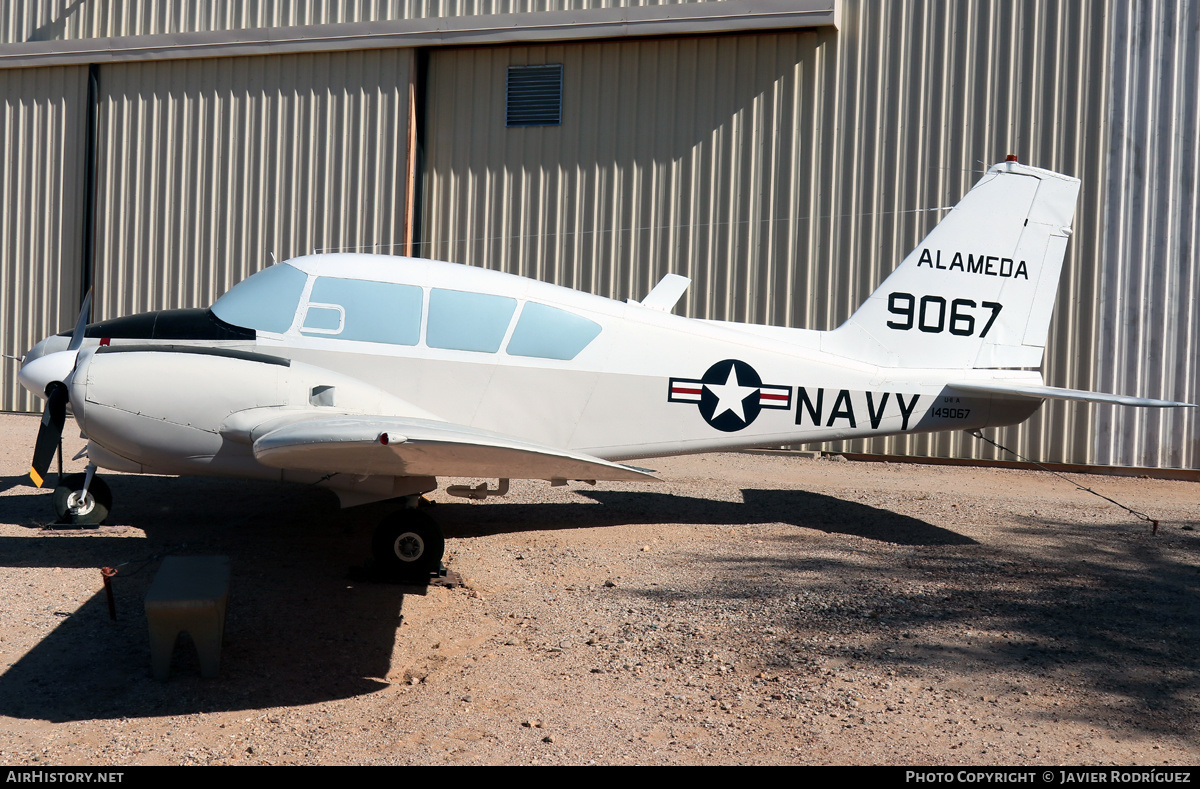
{"x":37,"y":374}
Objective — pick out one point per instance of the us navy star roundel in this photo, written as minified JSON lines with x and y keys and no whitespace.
{"x":730,"y":395}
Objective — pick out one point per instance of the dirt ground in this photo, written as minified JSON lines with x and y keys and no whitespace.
{"x":749,"y":609}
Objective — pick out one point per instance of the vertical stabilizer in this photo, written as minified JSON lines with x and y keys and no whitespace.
{"x":980,"y":289}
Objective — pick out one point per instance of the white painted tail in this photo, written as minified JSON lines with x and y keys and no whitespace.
{"x":980,"y":289}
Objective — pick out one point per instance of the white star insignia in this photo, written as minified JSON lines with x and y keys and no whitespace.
{"x":730,"y":395}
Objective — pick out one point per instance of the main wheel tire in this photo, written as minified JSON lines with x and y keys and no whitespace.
{"x":408,"y":544}
{"x":83,"y":510}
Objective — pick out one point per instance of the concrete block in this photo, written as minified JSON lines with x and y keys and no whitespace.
{"x":189,"y":593}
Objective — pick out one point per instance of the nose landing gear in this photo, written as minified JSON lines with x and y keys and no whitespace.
{"x":80,"y":501}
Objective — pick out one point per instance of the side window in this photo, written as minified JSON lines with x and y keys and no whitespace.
{"x":265,"y":301}
{"x":323,"y":319}
{"x":355,"y":309}
{"x":551,"y":333}
{"x":462,"y":321}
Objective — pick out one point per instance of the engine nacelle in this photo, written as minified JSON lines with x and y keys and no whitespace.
{"x":191,"y":410}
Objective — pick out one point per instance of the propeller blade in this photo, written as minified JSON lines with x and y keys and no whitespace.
{"x":49,"y":434}
{"x":81,"y":323}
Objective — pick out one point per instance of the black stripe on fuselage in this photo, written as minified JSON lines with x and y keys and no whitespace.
{"x":228,"y":353}
{"x":195,"y":324}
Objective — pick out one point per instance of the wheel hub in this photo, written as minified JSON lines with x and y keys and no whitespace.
{"x":80,"y":503}
{"x":409,"y":547}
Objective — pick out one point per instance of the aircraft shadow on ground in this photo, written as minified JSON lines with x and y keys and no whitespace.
{"x":796,"y":507}
{"x":297,"y":630}
{"x":24,"y":503}
{"x":1113,"y":611}
{"x":290,"y":549}
{"x":8,"y":483}
{"x":1110,"y":608}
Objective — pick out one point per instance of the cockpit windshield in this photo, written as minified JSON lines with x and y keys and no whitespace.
{"x":265,"y":301}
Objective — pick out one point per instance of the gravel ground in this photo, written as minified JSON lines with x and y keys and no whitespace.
{"x":749,"y":609}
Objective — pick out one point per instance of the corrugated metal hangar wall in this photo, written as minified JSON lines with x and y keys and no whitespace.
{"x":786,"y":172}
{"x":42,"y":115}
{"x":219,"y":164}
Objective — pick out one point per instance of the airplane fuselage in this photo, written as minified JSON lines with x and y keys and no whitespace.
{"x":613,"y":380}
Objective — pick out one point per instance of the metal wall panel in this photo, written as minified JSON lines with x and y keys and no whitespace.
{"x":784,"y":173}
{"x":677,"y":155}
{"x":207,"y":167}
{"x":75,"y":19}
{"x":1151,"y":285}
{"x":42,"y":120}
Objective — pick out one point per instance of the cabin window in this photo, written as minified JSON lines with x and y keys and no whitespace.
{"x":364,"y":310}
{"x":323,"y":319}
{"x":265,"y":301}
{"x":461,"y":321}
{"x":550,"y":333}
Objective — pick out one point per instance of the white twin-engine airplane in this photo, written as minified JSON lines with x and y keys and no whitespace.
{"x":375,"y":375}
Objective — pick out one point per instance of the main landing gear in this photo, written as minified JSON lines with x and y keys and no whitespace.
{"x":408,"y":546}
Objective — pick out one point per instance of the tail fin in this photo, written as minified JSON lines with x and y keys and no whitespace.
{"x":980,"y":289}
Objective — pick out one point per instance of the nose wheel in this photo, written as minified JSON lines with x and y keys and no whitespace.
{"x":408,"y":545}
{"x":75,"y":505}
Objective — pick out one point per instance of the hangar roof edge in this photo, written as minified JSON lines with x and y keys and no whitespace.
{"x":572,"y":25}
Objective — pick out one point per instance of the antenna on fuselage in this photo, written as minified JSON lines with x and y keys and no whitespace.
{"x":358,"y":248}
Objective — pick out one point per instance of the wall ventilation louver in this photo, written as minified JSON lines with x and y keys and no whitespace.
{"x":534,"y":96}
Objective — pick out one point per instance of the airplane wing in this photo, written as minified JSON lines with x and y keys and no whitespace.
{"x":400,"y":446}
{"x":1056,"y":393}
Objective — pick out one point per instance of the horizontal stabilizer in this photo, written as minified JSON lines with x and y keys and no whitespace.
{"x":1056,"y":393}
{"x":408,"y":447}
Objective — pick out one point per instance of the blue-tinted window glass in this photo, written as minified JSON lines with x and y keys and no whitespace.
{"x":265,"y":301}
{"x":318,"y":317}
{"x":551,"y":333}
{"x":375,"y":311}
{"x":462,"y":321}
